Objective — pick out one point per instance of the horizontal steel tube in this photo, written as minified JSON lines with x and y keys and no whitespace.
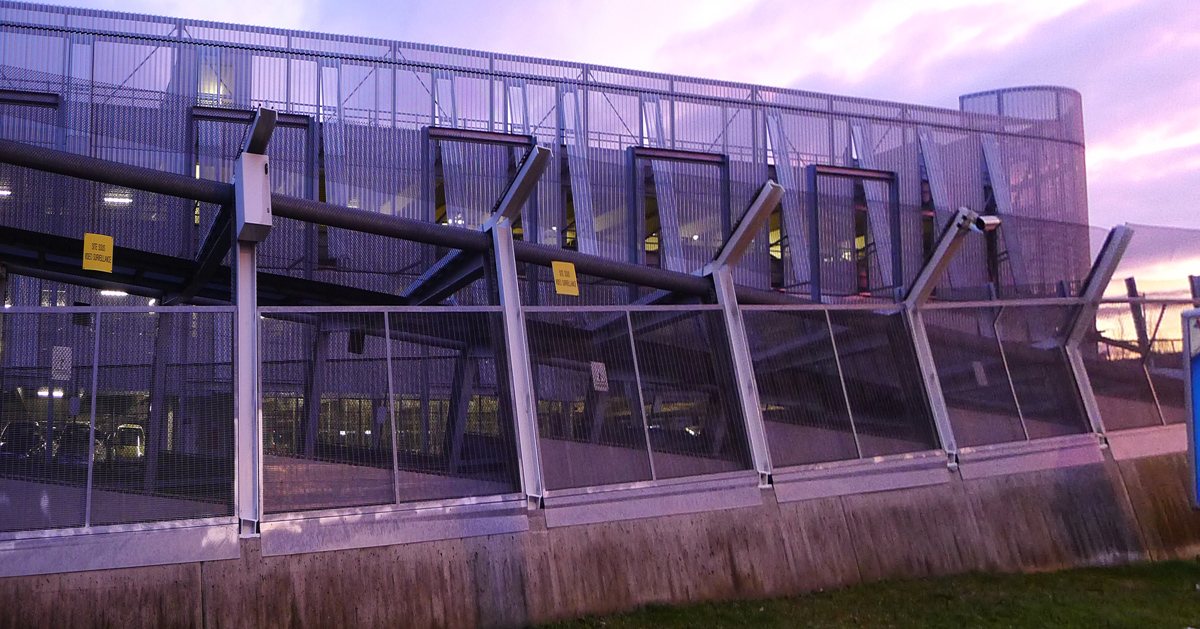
{"x":115,"y":173}
{"x":209,"y":191}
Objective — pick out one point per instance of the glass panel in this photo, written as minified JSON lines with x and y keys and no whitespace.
{"x":589,"y":415}
{"x":326,"y":426}
{"x":164,"y":413}
{"x":689,"y":393}
{"x":456,"y":433}
{"x":803,"y":404}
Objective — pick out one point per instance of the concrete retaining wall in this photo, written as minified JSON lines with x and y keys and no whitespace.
{"x":1085,"y":515}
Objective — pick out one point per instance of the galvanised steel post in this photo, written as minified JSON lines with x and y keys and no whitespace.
{"x":519,"y":370}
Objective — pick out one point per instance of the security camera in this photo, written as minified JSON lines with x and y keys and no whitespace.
{"x":985,"y":224}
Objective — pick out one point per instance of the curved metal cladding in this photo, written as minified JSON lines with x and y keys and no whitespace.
{"x":168,"y":94}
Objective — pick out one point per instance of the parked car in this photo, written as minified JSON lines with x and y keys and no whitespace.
{"x":73,"y":447}
{"x":22,"y":441}
{"x":127,"y":444}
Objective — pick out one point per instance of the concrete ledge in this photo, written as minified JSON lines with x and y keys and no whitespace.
{"x":646,"y":500}
{"x":106,"y":548}
{"x":1145,"y":442}
{"x":1029,"y":456}
{"x":342,"y":529}
{"x":843,"y":478}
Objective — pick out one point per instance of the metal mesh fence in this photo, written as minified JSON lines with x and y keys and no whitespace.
{"x":688,"y":391}
{"x":174,"y":94}
{"x":115,"y":416}
{"x":1032,"y":338}
{"x":164,"y":403}
{"x":1114,"y":353}
{"x":1004,"y":372}
{"x":633,"y":394}
{"x":590,"y":416}
{"x":799,"y":387}
{"x":456,"y":435}
{"x":974,"y":380}
{"x":328,"y":433}
{"x":326,"y":424}
{"x":837,"y":384}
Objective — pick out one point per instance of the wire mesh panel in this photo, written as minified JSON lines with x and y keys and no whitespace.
{"x":688,"y":392}
{"x":590,"y":421}
{"x":456,"y":433}
{"x":164,"y":411}
{"x":1165,"y":360}
{"x":45,"y":409}
{"x":326,"y":421}
{"x":883,"y":382}
{"x":803,"y":403}
{"x":974,"y":380}
{"x":1115,"y":358}
{"x":1032,"y":338}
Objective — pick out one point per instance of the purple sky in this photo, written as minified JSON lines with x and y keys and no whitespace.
{"x":1137,"y":63}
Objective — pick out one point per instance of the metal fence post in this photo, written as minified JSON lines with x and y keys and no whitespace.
{"x":248,"y":426}
{"x":933,"y":386}
{"x":517,"y":356}
{"x":87,"y":506}
{"x":743,"y":370}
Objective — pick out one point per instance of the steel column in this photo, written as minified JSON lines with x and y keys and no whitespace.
{"x":248,"y":427}
{"x":517,"y":354}
{"x":1084,"y":318}
{"x":743,"y":368}
{"x":933,"y":386}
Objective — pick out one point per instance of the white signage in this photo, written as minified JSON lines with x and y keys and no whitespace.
{"x":599,"y":377}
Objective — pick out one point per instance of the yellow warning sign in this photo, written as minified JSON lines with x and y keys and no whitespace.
{"x":97,"y":253}
{"x":564,"y":278}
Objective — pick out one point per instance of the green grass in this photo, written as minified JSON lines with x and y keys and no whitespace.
{"x":1141,"y":596}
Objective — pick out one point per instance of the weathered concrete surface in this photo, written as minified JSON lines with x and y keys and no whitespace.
{"x":154,"y":596}
{"x":1085,"y":515}
{"x":1157,"y":488}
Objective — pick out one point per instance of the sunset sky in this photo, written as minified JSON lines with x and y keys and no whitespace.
{"x":1137,"y":63}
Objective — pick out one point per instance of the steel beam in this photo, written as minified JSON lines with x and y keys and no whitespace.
{"x":756,"y":216}
{"x":248,"y":424}
{"x":520,"y":380}
{"x":460,"y":267}
{"x":962,"y":223}
{"x":1097,"y":280}
{"x":307,"y":210}
{"x":929,"y":377}
{"x":462,"y":389}
{"x":508,"y":207}
{"x":312,"y":393}
{"x":251,"y":193}
{"x":1084,"y":318}
{"x":743,"y":367}
{"x":156,"y":437}
{"x":212,"y":251}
